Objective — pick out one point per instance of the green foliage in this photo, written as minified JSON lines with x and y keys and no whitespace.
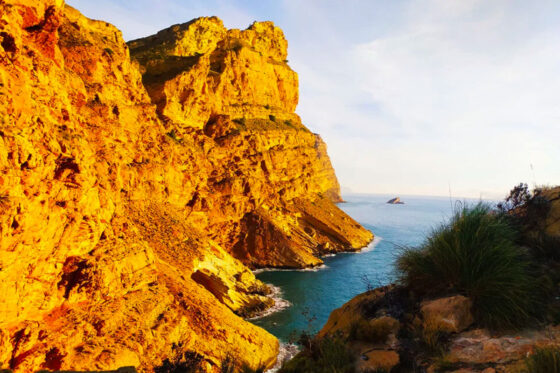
{"x":525,"y":209}
{"x":173,"y":135}
{"x":476,"y":255}
{"x":272,"y":117}
{"x":190,"y":363}
{"x":433,"y":339}
{"x":229,"y":366}
{"x":442,"y":364}
{"x":375,"y":331}
{"x":544,"y":360}
{"x":242,"y":122}
{"x":543,"y":246}
{"x":325,"y":355}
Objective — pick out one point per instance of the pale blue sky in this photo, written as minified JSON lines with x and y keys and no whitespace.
{"x":411,"y":96}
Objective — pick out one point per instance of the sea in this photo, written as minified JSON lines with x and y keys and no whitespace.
{"x":305,"y":298}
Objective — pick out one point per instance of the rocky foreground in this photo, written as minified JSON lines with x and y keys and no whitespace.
{"x":141,"y":183}
{"x":394,"y":329}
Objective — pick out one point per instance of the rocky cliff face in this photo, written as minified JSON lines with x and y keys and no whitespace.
{"x":136,"y":196}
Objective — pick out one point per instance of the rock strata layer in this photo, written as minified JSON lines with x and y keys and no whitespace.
{"x":137,"y":194}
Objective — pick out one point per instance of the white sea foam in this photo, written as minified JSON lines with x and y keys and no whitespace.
{"x":287,"y":351}
{"x":328,"y":255}
{"x":279,"y":303}
{"x":312,"y":269}
{"x":369,"y":247}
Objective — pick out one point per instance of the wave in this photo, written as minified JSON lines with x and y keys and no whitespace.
{"x":369,"y":247}
{"x":279,"y":303}
{"x":311,"y":269}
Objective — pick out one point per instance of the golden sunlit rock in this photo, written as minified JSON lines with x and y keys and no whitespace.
{"x":132,"y":207}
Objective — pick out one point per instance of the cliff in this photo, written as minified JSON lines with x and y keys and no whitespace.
{"x":137,"y":194}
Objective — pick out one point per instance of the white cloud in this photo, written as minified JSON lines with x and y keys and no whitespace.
{"x":461,"y":97}
{"x":410,"y":95}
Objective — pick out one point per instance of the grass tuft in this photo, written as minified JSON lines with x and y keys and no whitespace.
{"x":544,"y":360}
{"x":325,"y":355}
{"x":475,"y":254}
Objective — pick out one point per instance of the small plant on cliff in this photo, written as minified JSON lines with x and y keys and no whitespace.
{"x":189,"y":363}
{"x":241,"y":122}
{"x":476,"y":255}
{"x":173,"y":135}
{"x":526,"y":209}
{"x":544,"y":360}
{"x":272,"y":117}
{"x":321,"y":355}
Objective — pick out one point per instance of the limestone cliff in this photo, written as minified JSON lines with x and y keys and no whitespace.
{"x":132,"y":206}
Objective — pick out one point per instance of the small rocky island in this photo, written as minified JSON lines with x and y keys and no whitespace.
{"x":395,"y":201}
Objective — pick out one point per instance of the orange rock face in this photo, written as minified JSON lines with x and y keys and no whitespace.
{"x":132,"y":206}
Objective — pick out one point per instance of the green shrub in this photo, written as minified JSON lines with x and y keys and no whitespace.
{"x":433,"y":339}
{"x":241,"y":122}
{"x":190,"y":363}
{"x":325,"y":355}
{"x":543,"y":246}
{"x":229,"y":366}
{"x":544,"y":360}
{"x":476,"y":255}
{"x":173,"y":135}
{"x":375,"y":331}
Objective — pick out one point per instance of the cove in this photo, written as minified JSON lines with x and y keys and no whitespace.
{"x":314,"y":294}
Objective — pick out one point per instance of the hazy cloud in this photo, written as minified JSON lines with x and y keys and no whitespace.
{"x":410,"y":96}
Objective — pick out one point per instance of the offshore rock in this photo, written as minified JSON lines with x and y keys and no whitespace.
{"x":130,"y":218}
{"x":395,"y":201}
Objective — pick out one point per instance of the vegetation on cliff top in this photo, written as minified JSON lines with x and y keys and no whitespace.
{"x":500,"y":265}
{"x":476,"y":254}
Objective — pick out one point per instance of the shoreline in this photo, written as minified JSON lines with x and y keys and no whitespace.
{"x":288,"y":350}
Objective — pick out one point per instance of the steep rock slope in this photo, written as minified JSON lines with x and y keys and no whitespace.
{"x":237,"y":88}
{"x":121,"y":220}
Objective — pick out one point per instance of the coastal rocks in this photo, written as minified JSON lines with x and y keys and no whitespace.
{"x":395,"y":201}
{"x":479,"y":346}
{"x":387,"y":328}
{"x":371,"y":333}
{"x":377,"y":361}
{"x":126,"y":212}
{"x":450,"y":315}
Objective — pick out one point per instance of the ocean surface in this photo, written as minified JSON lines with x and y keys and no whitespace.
{"x":309,"y":296}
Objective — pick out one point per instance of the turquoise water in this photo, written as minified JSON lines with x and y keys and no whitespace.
{"x":314,"y":294}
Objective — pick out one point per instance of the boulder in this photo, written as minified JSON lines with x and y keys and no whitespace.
{"x":451,"y":314}
{"x":377,"y":360}
{"x":479,"y":347}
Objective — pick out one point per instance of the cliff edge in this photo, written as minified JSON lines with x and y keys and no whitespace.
{"x":137,"y":194}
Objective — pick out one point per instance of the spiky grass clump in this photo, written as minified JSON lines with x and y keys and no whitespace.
{"x":325,"y":355}
{"x":544,"y":360}
{"x":475,"y":254}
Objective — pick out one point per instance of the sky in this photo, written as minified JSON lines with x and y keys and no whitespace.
{"x":415,"y":97}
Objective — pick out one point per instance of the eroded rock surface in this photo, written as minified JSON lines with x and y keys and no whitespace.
{"x":130,"y":218}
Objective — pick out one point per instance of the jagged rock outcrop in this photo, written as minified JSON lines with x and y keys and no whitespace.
{"x":433,"y":336}
{"x":129,"y":217}
{"x":238,"y":88}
